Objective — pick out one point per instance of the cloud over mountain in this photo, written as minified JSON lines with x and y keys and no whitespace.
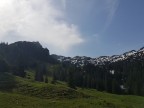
{"x":37,"y":20}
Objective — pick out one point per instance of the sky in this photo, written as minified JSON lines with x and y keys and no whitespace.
{"x":75,"y":27}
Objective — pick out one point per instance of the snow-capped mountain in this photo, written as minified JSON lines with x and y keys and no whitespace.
{"x":102,"y":60}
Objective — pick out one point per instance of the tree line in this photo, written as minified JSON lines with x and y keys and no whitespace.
{"x":123,"y":77}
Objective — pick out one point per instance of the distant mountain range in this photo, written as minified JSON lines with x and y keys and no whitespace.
{"x":102,"y":60}
{"x":121,"y":74}
{"x":32,"y":52}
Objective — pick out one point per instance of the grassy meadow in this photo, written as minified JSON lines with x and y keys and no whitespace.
{"x":16,"y":92}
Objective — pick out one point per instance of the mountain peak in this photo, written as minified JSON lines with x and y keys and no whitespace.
{"x":82,"y":60}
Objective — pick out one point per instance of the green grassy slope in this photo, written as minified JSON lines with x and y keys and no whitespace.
{"x":99,"y":100}
{"x":26,"y":93}
{"x":46,"y":91}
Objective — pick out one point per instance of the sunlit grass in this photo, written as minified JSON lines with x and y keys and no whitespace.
{"x":31,"y":94}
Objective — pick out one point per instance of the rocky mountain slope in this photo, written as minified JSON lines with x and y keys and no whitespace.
{"x":102,"y":60}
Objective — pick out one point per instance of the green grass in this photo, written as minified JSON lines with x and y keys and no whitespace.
{"x":7,"y":81}
{"x":26,"y":93}
{"x":99,"y":100}
{"x":45,"y":90}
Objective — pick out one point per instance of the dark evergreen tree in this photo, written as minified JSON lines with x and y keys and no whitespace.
{"x":39,"y":73}
{"x":71,"y":81}
{"x":3,"y":66}
{"x":54,"y":78}
{"x":46,"y":79}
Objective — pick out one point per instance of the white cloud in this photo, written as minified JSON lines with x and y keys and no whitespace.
{"x":37,"y":20}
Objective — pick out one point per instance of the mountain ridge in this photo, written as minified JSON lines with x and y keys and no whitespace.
{"x":24,"y":52}
{"x":101,"y":60}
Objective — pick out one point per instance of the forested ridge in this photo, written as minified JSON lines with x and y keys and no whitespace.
{"x":121,"y":77}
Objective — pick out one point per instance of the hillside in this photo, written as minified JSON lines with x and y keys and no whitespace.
{"x":29,"y":87}
{"x":99,"y":100}
{"x":24,"y":53}
{"x":31,"y":77}
{"x":120,"y":74}
{"x":28,"y":94}
{"x":102,"y":60}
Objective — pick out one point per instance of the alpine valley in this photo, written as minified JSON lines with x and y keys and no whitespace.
{"x":32,"y":77}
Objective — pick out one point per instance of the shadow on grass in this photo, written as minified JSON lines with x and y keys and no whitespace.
{"x":7,"y":82}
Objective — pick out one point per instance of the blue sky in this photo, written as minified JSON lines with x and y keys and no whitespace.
{"x":123,"y":32}
{"x":75,"y":27}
